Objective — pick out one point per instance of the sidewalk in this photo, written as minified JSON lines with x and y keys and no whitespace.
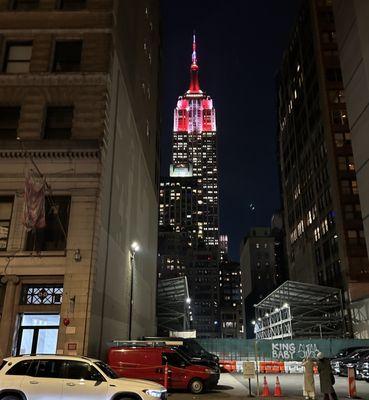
{"x":228,"y":388}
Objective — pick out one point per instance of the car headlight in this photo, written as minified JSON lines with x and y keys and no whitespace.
{"x":210,"y":371}
{"x":154,"y":393}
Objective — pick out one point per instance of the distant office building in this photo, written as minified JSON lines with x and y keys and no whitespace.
{"x":189,"y":202}
{"x":259,"y":271}
{"x":179,"y":207}
{"x":73,"y":112}
{"x":353,"y":41}
{"x":230,"y":294}
{"x":174,"y":254}
{"x":223,"y":247}
{"x":323,"y":221}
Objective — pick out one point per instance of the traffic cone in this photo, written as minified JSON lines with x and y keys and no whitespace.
{"x":266,"y":392}
{"x":277,"y":388}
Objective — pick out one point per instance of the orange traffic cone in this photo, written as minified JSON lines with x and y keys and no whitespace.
{"x":277,"y":388}
{"x":266,"y":392}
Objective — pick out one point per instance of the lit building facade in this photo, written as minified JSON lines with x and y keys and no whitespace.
{"x":353,"y":39}
{"x":259,"y":271}
{"x":73,"y":111}
{"x":323,"y":221}
{"x":230,"y":294}
{"x":189,"y":199}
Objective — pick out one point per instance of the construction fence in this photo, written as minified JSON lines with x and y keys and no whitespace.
{"x":277,"y":350}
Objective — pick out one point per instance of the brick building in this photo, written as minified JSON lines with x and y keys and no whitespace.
{"x":322,"y":211}
{"x":78,"y":105}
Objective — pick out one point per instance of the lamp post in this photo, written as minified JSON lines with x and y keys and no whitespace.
{"x":134,"y":248}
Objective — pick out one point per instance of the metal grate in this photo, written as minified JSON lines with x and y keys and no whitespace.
{"x":42,"y":294}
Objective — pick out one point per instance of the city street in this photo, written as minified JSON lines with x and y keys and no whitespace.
{"x":235,"y":386}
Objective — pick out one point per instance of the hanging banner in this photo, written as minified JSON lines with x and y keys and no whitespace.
{"x":34,"y":202}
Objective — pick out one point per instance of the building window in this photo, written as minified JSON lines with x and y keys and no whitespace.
{"x":23,"y":5}
{"x":333,"y":75}
{"x":337,"y":96}
{"x":18,"y":57}
{"x":329,"y":37}
{"x":342,"y":138}
{"x":42,"y":294}
{"x":71,"y":5}
{"x":58,"y":123}
{"x":9,"y":120}
{"x":54,"y":235}
{"x":6,"y":208}
{"x":352,"y":236}
{"x":67,"y":56}
{"x":339,"y":117}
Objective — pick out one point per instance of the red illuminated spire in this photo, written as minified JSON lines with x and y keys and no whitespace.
{"x":194,"y":84}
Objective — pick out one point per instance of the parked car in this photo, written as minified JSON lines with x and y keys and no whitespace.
{"x":345,"y":352}
{"x":69,"y":378}
{"x":340,"y":365}
{"x":148,"y":362}
{"x":362,"y":368}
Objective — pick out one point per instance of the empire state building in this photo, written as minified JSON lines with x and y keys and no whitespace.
{"x":195,"y":155}
{"x":188,"y":216}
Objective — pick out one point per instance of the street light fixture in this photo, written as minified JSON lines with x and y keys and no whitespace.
{"x":135,"y":247}
{"x":188,"y":300}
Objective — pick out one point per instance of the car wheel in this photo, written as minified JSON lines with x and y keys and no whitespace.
{"x":196,"y":386}
{"x":10,"y":397}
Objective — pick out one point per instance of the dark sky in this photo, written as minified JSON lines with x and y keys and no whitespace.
{"x":239,"y":49}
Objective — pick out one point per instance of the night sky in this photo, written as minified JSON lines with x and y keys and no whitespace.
{"x":239,"y":50}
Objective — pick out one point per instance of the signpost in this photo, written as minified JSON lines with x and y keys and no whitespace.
{"x":249,"y":373}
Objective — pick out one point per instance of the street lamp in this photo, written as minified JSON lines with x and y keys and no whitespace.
{"x":135,"y":247}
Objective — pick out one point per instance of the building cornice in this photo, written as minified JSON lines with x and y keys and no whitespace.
{"x":50,"y":149}
{"x":54,"y":79}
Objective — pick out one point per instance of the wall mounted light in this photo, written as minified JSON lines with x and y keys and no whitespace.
{"x":77,"y":255}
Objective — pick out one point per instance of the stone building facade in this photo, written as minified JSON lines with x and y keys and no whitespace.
{"x":352,"y":39}
{"x":78,"y":106}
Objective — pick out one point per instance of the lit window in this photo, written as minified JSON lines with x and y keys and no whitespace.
{"x":18,"y":57}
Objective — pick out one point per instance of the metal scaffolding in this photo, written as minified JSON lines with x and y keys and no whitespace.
{"x":300,"y":310}
{"x":173,"y":305}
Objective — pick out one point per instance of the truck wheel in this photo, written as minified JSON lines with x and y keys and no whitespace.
{"x":196,"y":386}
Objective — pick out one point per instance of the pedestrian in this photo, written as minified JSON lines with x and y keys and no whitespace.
{"x":326,"y":378}
{"x":309,"y":387}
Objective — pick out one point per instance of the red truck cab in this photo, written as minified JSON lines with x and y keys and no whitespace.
{"x":149,"y":363}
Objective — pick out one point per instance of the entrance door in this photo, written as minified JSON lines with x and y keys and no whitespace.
{"x":38,"y":334}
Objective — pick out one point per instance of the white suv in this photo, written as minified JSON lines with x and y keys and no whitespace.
{"x":70,"y":378}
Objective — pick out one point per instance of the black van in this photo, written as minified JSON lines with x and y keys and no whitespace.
{"x":189,"y":347}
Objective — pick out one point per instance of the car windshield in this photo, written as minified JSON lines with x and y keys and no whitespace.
{"x":194,"y":347}
{"x":183,"y":353}
{"x":107,"y":370}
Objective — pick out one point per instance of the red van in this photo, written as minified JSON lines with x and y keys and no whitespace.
{"x":149,"y":362}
